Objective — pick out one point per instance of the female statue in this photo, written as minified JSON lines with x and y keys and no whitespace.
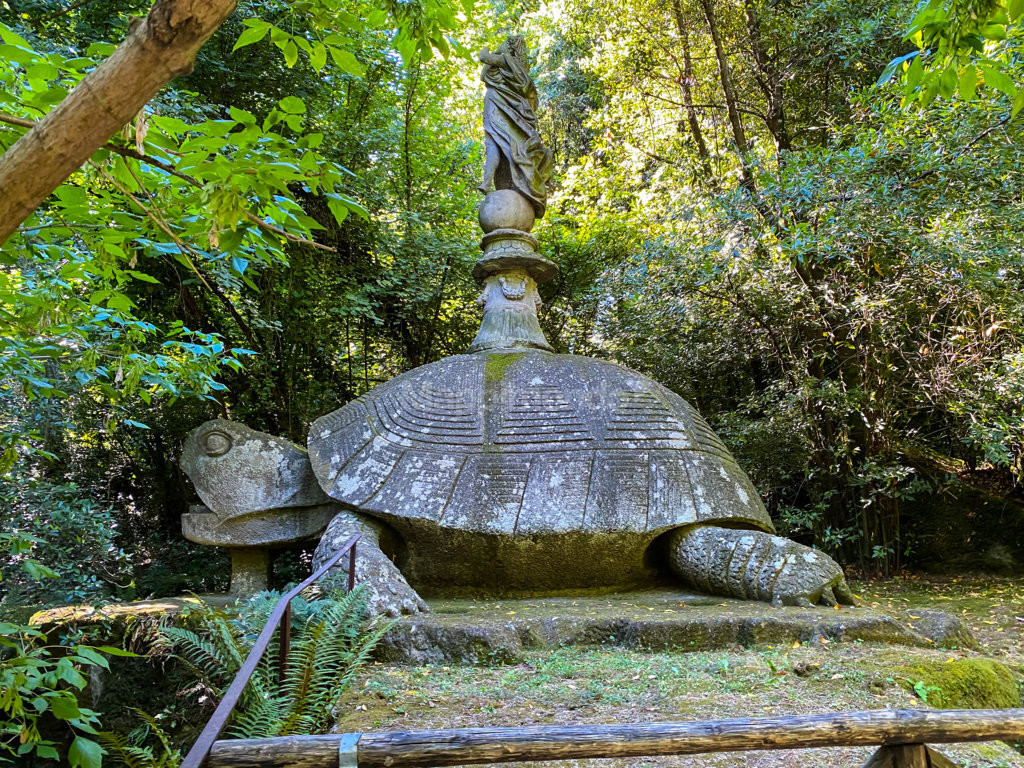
{"x":516,"y":158}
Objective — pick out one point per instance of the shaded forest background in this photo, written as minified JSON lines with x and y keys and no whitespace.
{"x":828,"y":271}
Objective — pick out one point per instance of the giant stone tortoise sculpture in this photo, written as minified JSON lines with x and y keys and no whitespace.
{"x":528,"y":471}
{"x":514,"y":469}
{"x":511,"y":468}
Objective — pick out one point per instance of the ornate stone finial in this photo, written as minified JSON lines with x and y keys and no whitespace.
{"x":519,"y":166}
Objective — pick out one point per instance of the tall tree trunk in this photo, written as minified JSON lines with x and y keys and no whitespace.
{"x":770,"y":81}
{"x":686,"y":85}
{"x":157,"y":49}
{"x":738,"y":134}
{"x":411,"y":82}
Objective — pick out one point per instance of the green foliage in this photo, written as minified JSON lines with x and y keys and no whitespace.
{"x":131,"y":750}
{"x":39,"y":682}
{"x":189,"y":197}
{"x":330,"y":643}
{"x":74,"y":536}
{"x":963,"y":47}
{"x":836,"y":287}
{"x":838,"y":293}
{"x":922,"y":689}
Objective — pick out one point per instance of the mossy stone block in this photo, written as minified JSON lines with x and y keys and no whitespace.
{"x":966,"y":684}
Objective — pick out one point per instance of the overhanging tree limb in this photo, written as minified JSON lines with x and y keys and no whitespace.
{"x":157,"y":49}
{"x":191,"y":180}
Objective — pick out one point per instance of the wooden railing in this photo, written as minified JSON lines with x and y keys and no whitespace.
{"x":280,"y":619}
{"x":902,"y":734}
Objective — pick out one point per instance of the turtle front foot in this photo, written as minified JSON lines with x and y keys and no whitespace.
{"x":387,"y":591}
{"x":755,"y":565}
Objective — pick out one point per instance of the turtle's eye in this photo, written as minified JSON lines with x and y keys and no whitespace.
{"x":216,"y":443}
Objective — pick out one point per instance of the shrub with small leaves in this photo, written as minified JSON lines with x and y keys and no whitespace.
{"x":39,"y":681}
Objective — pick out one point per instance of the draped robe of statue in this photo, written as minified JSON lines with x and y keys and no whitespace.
{"x":516,"y":157}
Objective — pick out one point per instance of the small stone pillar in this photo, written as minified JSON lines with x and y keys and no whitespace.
{"x":250,"y":571}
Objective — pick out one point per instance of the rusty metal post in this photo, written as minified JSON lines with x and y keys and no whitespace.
{"x":284,"y":642}
{"x":352,"y":568}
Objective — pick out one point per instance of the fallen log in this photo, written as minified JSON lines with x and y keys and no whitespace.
{"x":421,"y":749}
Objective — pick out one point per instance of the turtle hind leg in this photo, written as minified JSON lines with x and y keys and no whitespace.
{"x":387,"y":591}
{"x":755,"y":565}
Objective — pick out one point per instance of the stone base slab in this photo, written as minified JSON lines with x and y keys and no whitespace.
{"x":465,"y":631}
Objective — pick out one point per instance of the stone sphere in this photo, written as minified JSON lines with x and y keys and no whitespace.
{"x":506,"y":209}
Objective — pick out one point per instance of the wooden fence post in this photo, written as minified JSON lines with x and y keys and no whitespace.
{"x":908,"y":756}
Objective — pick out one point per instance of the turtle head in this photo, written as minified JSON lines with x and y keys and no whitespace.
{"x":237,"y":470}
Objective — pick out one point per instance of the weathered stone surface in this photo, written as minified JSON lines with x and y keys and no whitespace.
{"x":516,"y":158}
{"x":498,"y":632}
{"x":505,"y":209}
{"x":943,"y":629}
{"x":269,"y":528}
{"x":526,"y":441}
{"x":237,"y":470}
{"x":250,"y":571}
{"x":755,"y":565}
{"x":259,"y":493}
{"x":510,"y":302}
{"x":387,"y":591}
{"x":515,"y":471}
{"x":512,"y":470}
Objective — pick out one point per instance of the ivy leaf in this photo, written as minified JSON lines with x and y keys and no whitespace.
{"x":318,"y":56}
{"x":890,"y":68}
{"x":293,"y":105}
{"x":1017,"y":104}
{"x":90,"y":656}
{"x":968,"y":84}
{"x":63,"y":706}
{"x":115,"y":651}
{"x":338,"y":208}
{"x":38,"y":570}
{"x":996,"y":78}
{"x":291,"y":53}
{"x":241,"y":116}
{"x":948,"y":82}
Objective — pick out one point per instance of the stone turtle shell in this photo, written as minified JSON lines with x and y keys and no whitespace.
{"x":527,"y":444}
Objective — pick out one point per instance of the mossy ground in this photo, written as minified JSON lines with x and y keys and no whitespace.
{"x":598,"y":685}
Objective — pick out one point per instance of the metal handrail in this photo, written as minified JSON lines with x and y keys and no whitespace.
{"x":280,"y":618}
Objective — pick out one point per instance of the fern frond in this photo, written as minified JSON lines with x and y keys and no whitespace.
{"x":330,"y":644}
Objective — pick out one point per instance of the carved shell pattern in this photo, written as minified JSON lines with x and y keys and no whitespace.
{"x":530,"y":443}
